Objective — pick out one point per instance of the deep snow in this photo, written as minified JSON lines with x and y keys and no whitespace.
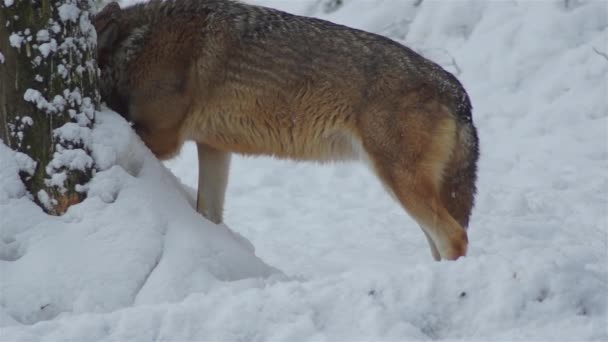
{"x":336,"y":258}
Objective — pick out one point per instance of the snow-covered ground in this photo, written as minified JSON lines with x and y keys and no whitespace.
{"x":336,"y":259}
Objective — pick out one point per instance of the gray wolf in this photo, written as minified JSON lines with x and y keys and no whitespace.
{"x":238,"y":78}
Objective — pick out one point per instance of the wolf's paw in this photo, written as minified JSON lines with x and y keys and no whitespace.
{"x":456,"y":246}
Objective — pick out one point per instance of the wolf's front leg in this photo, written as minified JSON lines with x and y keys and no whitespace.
{"x":213,"y":166}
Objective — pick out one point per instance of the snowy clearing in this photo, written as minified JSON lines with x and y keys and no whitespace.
{"x":335,"y":258}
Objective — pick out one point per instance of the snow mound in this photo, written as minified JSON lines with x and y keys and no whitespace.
{"x":136,"y":239}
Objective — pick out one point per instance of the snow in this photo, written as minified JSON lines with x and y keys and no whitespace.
{"x":46,"y":48}
{"x":46,"y":202}
{"x":26,"y":120}
{"x":87,"y":27}
{"x":57,"y":179}
{"x":43,"y":36}
{"x":1,"y":58}
{"x":16,"y":40}
{"x":36,"y":97}
{"x":69,"y":11}
{"x":335,"y":257}
{"x":73,"y":132}
{"x":8,"y":3}
{"x":73,"y":159}
{"x":9,"y":177}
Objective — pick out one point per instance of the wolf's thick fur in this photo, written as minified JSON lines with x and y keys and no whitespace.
{"x":253,"y":80}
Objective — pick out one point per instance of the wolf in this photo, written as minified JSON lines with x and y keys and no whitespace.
{"x":246,"y":79}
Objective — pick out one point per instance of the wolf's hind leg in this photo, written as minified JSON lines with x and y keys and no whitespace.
{"x":434,"y":250}
{"x":409,"y":153}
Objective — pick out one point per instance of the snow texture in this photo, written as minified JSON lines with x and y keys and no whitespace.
{"x":43,"y":36}
{"x":45,"y":199}
{"x":73,"y":132}
{"x":69,"y":11}
{"x":76,"y":133}
{"x":73,"y":159}
{"x":135,"y":261}
{"x":47,"y":48}
{"x":15,"y":40}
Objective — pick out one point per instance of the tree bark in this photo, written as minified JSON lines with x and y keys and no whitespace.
{"x":49,"y":94}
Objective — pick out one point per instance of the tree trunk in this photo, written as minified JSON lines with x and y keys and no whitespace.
{"x":48,"y":95}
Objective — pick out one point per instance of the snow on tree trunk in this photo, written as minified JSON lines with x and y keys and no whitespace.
{"x":48,"y":95}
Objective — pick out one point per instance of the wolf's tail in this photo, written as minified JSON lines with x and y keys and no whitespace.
{"x":458,"y":186}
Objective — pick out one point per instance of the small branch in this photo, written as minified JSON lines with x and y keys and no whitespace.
{"x":455,"y":65}
{"x":397,"y":29}
{"x":600,"y":53}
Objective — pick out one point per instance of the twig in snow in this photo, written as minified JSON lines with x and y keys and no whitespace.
{"x":455,"y":65}
{"x":600,"y":53}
